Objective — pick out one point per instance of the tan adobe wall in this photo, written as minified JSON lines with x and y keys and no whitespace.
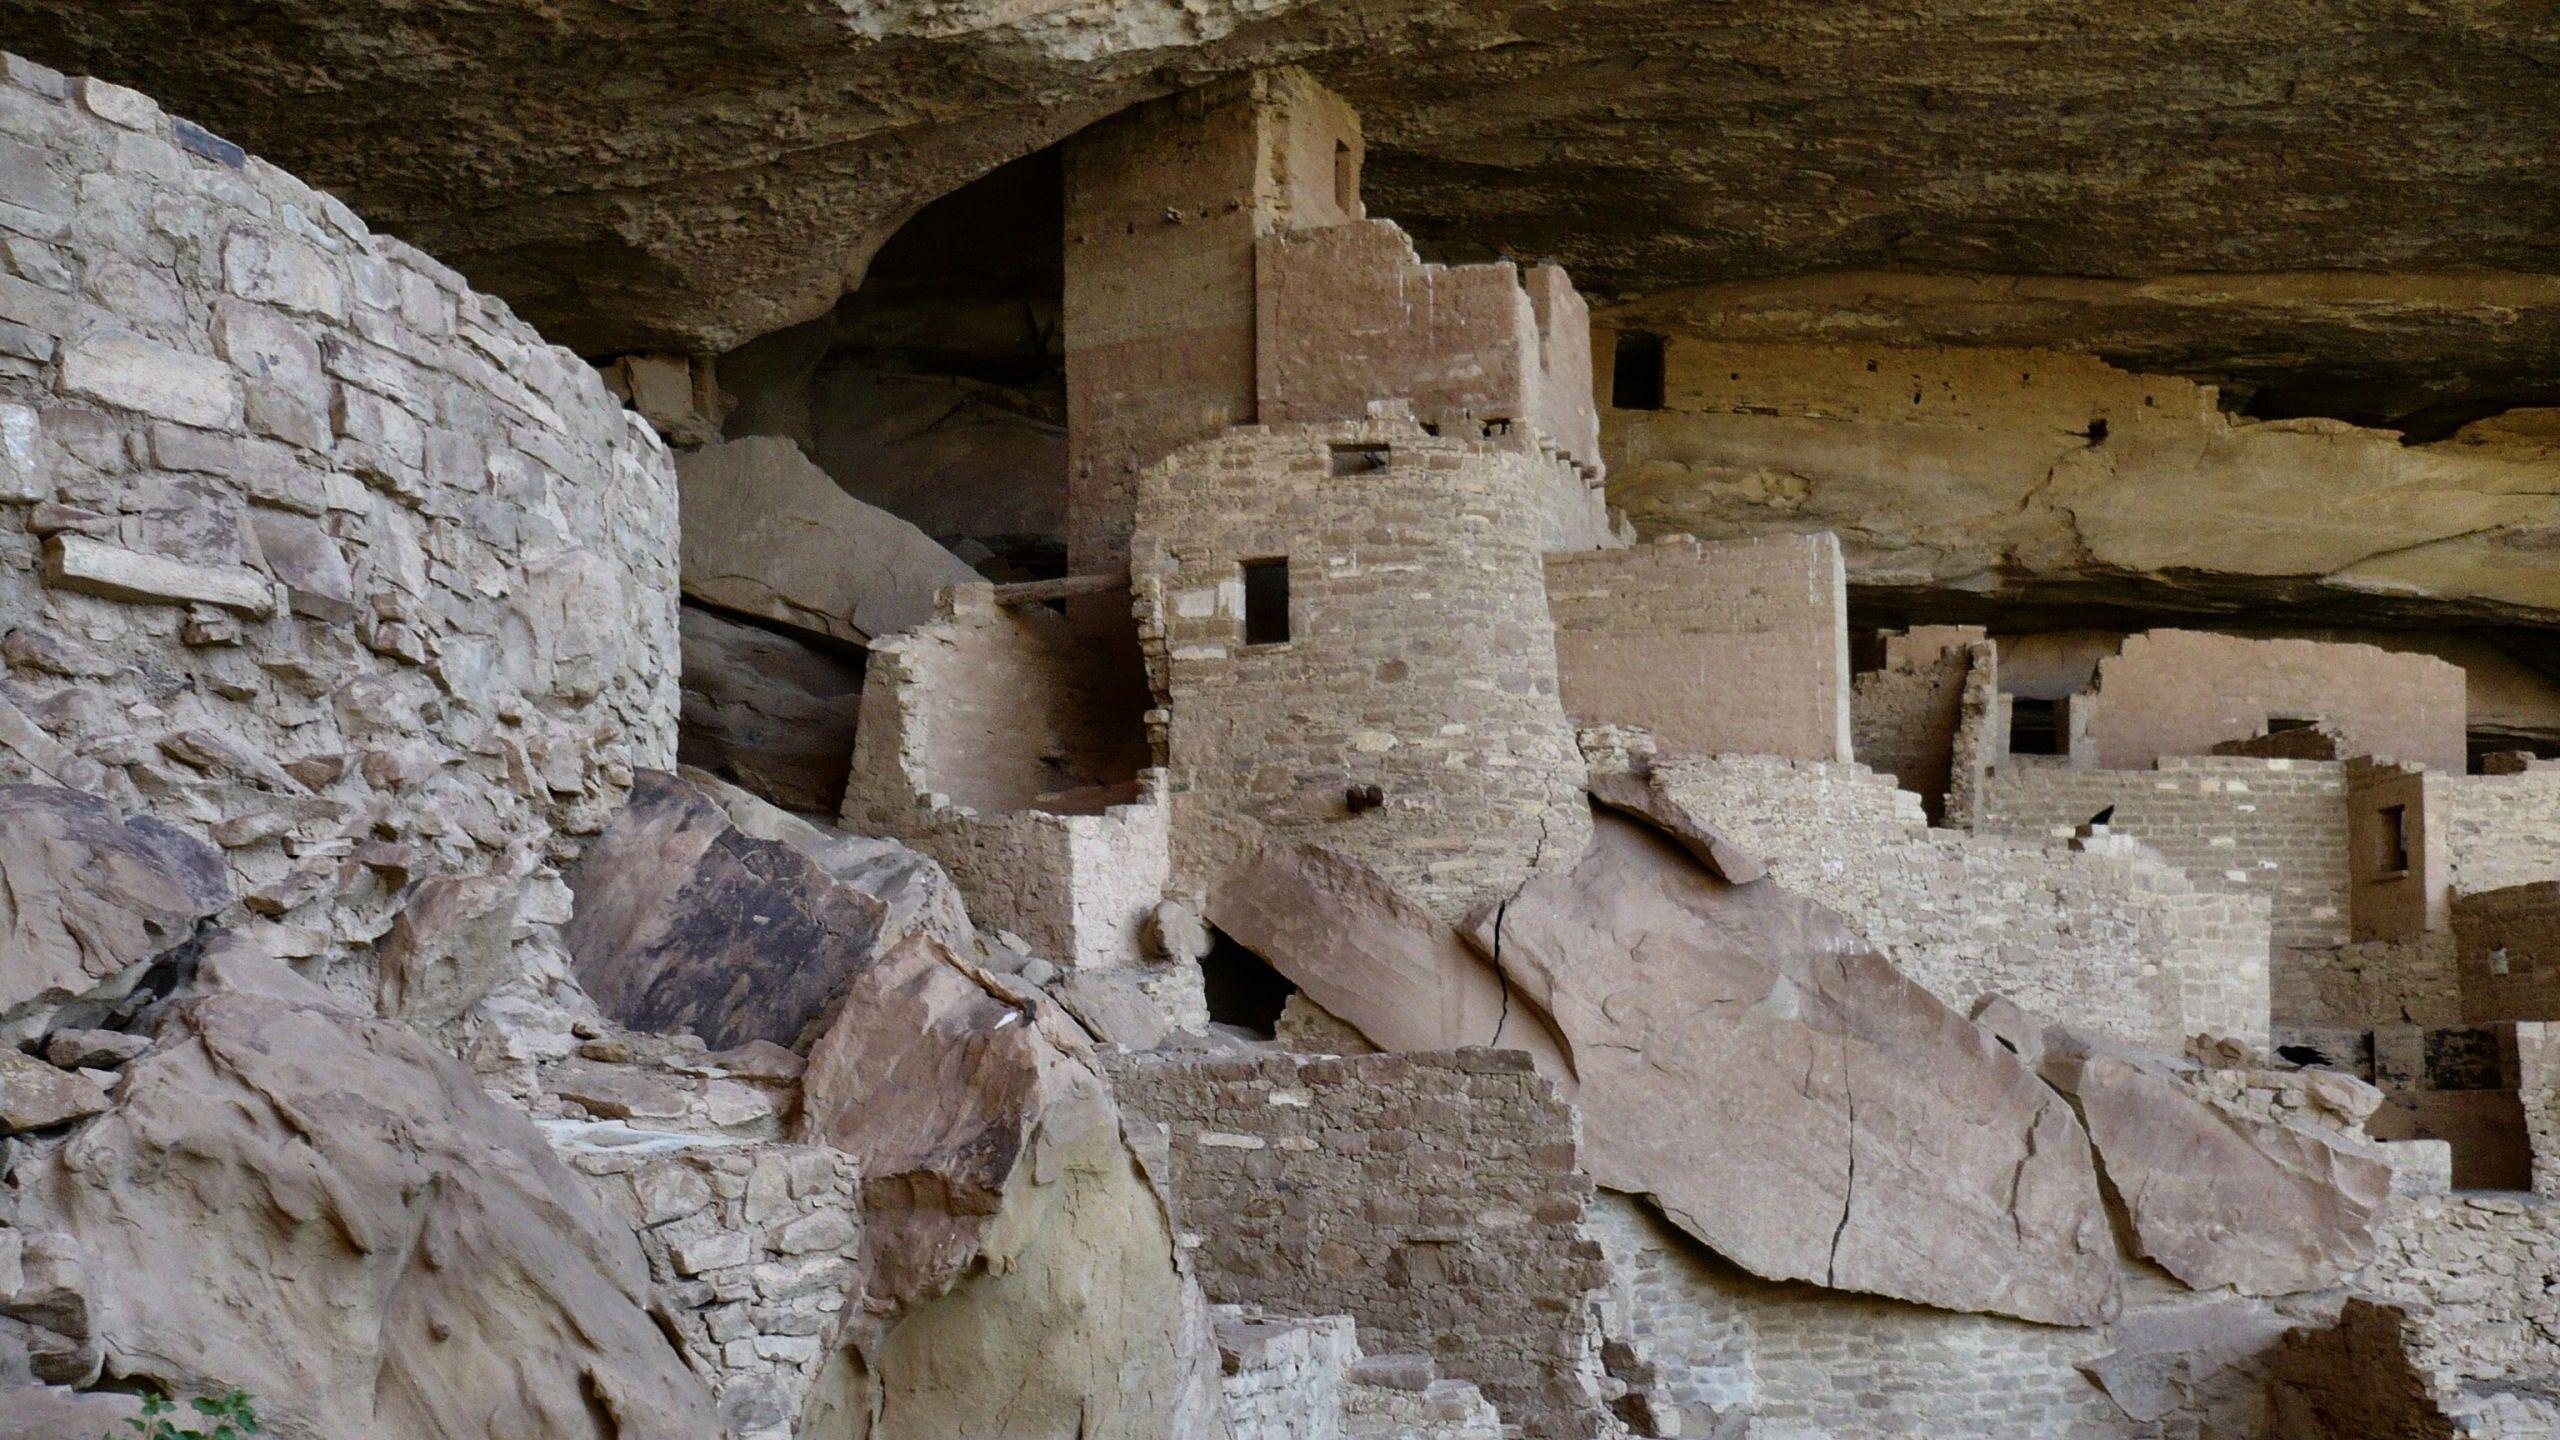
{"x":2357,"y":985}
{"x":1164,"y":205}
{"x":2109,"y":937}
{"x":310,"y":550}
{"x":2508,"y":949}
{"x":1433,"y":1197}
{"x":1009,"y":746}
{"x":1419,"y":658}
{"x":2500,"y":830}
{"x":1739,"y":648}
{"x":2182,"y":692}
{"x":2276,"y":828}
{"x":2322,"y":741}
{"x":1350,"y":318}
{"x":2397,"y":859}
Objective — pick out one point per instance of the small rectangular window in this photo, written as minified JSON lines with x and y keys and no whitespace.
{"x":2035,"y":726}
{"x":2391,"y":840}
{"x":1346,"y":179}
{"x":1361,"y":459}
{"x":1635,"y":382}
{"x":1266,"y":602}
{"x":2287,"y":724}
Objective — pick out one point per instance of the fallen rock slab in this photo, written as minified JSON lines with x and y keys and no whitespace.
{"x":88,"y":899}
{"x":1375,"y":958}
{"x":703,"y":909}
{"x":1779,"y":1091}
{"x":768,"y":534}
{"x":38,"y":1096}
{"x":768,"y":712}
{"x":328,"y":1212}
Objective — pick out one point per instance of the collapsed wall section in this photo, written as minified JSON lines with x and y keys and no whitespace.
{"x":2181,"y":692}
{"x":1330,"y":611}
{"x":310,"y":550}
{"x":1736,"y":648}
{"x":1436,"y":1198}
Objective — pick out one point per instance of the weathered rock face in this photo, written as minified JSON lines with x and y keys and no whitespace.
{"x":87,"y":900}
{"x":703,"y":909}
{"x":1780,"y":1092}
{"x":768,"y":713}
{"x":328,"y":1212}
{"x":768,"y":535}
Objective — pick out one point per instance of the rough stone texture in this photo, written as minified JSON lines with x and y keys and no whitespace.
{"x":768,"y":713}
{"x":37,"y":1096}
{"x":1008,"y":744}
{"x":1963,"y":478}
{"x":1450,"y":708}
{"x":2508,"y":944}
{"x":328,"y":1212}
{"x":2104,"y":931}
{"x":703,"y":909}
{"x":87,"y":900}
{"x":1276,"y":1164}
{"x":2504,"y":829}
{"x":1824,"y":1142}
{"x":313,"y":552}
{"x":1713,"y":648}
{"x":1908,"y":718}
{"x":769,"y":536}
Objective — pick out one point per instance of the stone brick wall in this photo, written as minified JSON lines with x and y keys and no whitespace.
{"x":305,"y":547}
{"x":2374,"y":980}
{"x":1435,"y":1198}
{"x":2500,"y":830}
{"x":1803,"y":1362}
{"x":2507,"y":945}
{"x":1009,"y":745}
{"x":1418,"y":657}
{"x":2481,"y":1275}
{"x":1738,"y":648}
{"x":1908,"y":719}
{"x":2181,"y":692}
{"x":2276,"y":828}
{"x":2108,"y":935}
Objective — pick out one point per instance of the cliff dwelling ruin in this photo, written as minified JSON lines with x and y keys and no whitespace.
{"x":1243,"y":724}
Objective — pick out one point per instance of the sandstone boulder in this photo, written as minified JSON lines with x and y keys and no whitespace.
{"x":768,"y":534}
{"x":450,"y":946}
{"x":328,"y":1212}
{"x":703,"y":909}
{"x":1375,"y":958}
{"x":46,"y":1412}
{"x":88,"y":900}
{"x":38,"y":1096}
{"x":768,"y":713}
{"x":1781,"y":1092}
{"x":1637,"y":793}
{"x":1022,"y":1273}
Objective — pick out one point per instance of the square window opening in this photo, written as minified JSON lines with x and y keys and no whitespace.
{"x":1635,"y":382}
{"x":1266,"y":602}
{"x":1361,"y":459}
{"x":2391,"y":840}
{"x":2035,"y":726}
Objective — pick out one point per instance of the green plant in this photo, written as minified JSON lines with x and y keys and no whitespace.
{"x":232,"y":1417}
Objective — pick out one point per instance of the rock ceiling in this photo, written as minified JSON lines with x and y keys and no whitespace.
{"x":2297,"y":200}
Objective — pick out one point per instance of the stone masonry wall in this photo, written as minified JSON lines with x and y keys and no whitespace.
{"x":2107,"y":935}
{"x":1435,"y":1198}
{"x":2180,"y":692}
{"x":1418,"y":657}
{"x":2276,"y":828}
{"x":1908,"y":718}
{"x":1739,"y":648}
{"x":2500,"y":830}
{"x":305,"y":547}
{"x":2507,"y":944}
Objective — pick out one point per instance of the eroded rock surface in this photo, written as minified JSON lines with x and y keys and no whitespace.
{"x":328,"y":1212}
{"x":1780,"y":1092}
{"x":767,"y":712}
{"x":88,"y":899}
{"x":702,"y":908}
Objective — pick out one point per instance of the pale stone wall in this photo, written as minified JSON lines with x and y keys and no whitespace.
{"x":2276,"y":828}
{"x":2500,"y":830}
{"x":2108,"y":936}
{"x":754,"y":1252}
{"x":1418,"y":657}
{"x":2412,"y":979}
{"x":1433,"y":1197}
{"x":305,"y":547}
{"x":1007,"y":745}
{"x":1806,"y":1363}
{"x":1740,"y":648}
{"x":2181,"y":692}
{"x":2508,"y":950}
{"x":1909,"y":718}
{"x":2481,"y":1274}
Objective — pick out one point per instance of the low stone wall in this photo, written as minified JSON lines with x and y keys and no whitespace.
{"x":1903,"y":721}
{"x":2276,"y":828}
{"x":2502,"y":829}
{"x":2481,"y":1276}
{"x":1737,"y":648}
{"x":1433,"y":1197}
{"x":2507,"y":947}
{"x":2180,"y":692}
{"x":2107,"y":936}
{"x":305,"y":547}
